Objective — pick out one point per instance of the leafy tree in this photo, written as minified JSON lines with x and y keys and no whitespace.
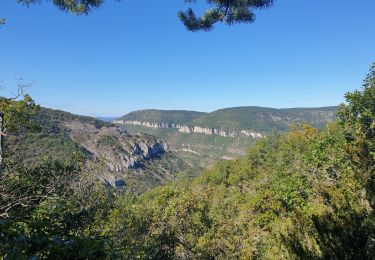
{"x":16,"y":117}
{"x":52,"y":209}
{"x":48,"y":208}
{"x":358,"y":120}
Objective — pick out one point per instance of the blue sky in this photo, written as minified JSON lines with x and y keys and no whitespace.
{"x":136,"y":54}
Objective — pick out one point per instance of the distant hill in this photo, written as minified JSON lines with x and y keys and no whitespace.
{"x":265,"y":119}
{"x":259,"y":119}
{"x":163,"y":116}
{"x":225,"y":133}
{"x":107,"y":118}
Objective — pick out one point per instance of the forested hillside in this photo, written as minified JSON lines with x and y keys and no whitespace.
{"x":163,"y":116}
{"x":304,"y":194}
{"x":139,"y":161}
{"x":260,"y":119}
{"x":202,"y":138}
{"x":265,"y":120}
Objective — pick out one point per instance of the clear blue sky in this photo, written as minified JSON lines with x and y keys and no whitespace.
{"x":136,"y":54}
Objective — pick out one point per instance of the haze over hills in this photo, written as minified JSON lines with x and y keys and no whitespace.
{"x":225,"y":133}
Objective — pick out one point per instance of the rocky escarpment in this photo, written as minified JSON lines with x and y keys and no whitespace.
{"x":119,"y":150}
{"x":192,"y":129}
{"x":231,"y":122}
{"x":113,"y":155}
{"x":224,"y":133}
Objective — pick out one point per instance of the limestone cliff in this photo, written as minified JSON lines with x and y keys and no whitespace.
{"x":191,"y":129}
{"x":119,"y":150}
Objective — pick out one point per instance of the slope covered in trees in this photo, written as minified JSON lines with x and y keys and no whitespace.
{"x":140,"y":161}
{"x":261,"y":119}
{"x":162,"y":116}
{"x":304,"y":194}
{"x":236,"y":128}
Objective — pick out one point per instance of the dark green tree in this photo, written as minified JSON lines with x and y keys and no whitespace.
{"x":71,"y":6}
{"x":16,"y":117}
{"x":226,"y":11}
{"x":358,"y":120}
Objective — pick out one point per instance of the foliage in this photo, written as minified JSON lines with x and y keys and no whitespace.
{"x":71,"y":6}
{"x":304,"y":194}
{"x":295,"y":195}
{"x":16,"y":118}
{"x":358,"y":121}
{"x":43,"y":137}
{"x":47,"y":207}
{"x":230,"y":12}
{"x":51,"y":210}
{"x":18,"y":114}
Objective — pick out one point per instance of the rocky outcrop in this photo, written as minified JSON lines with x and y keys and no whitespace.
{"x":251,"y":133}
{"x":148,"y":124}
{"x":192,"y":129}
{"x":185,"y":129}
{"x":119,"y":150}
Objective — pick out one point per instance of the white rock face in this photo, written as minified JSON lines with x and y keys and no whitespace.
{"x":202,"y":130}
{"x":194,"y":129}
{"x":118,"y":149}
{"x":184,"y":129}
{"x":188,"y":151}
{"x":251,"y":133}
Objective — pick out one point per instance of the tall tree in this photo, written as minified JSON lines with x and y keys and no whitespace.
{"x":16,"y":116}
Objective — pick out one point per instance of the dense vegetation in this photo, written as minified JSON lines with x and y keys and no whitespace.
{"x":50,"y":140}
{"x":57,"y":138}
{"x":306,"y":194}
